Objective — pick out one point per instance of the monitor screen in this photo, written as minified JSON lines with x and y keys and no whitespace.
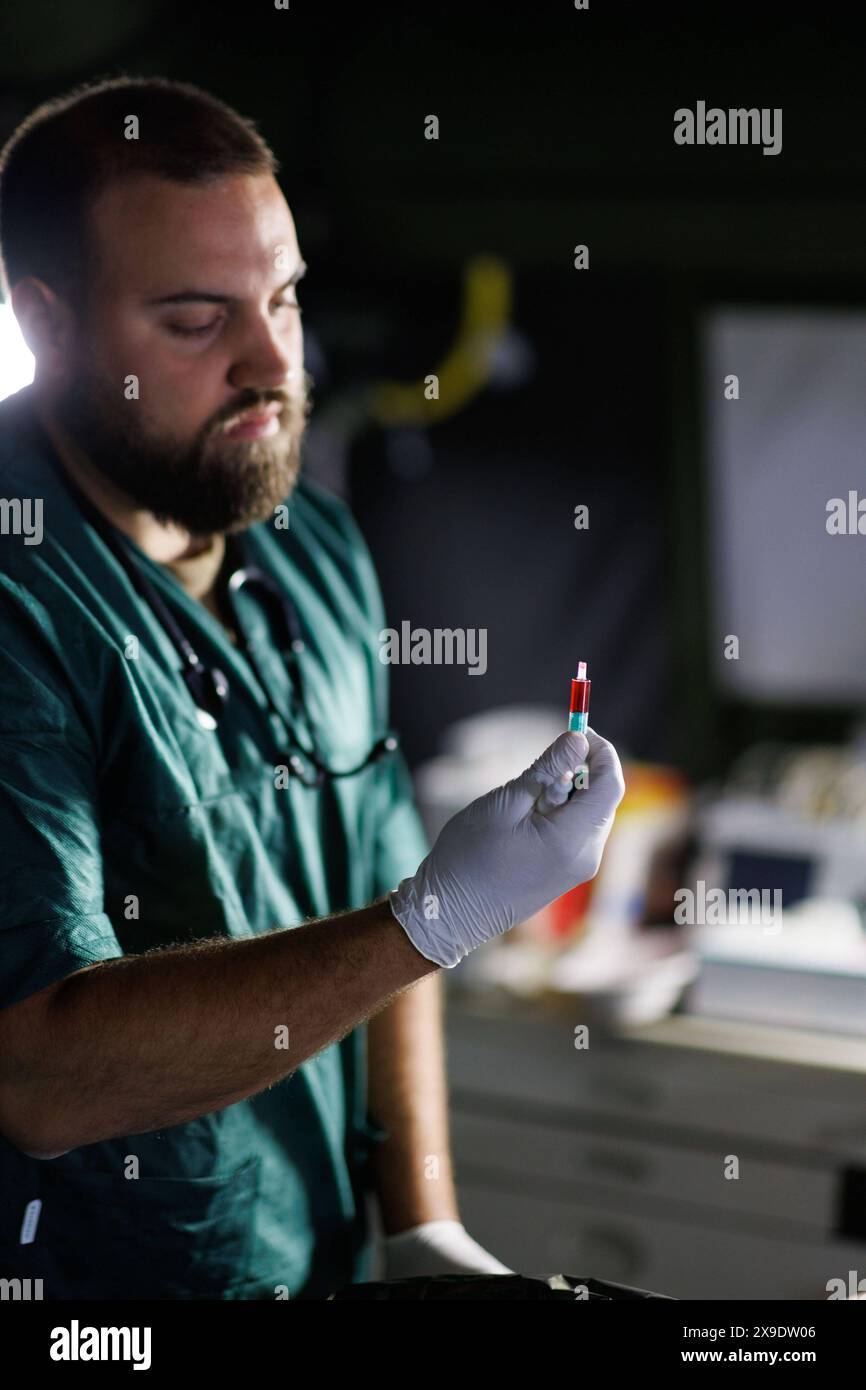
{"x":793,"y":594}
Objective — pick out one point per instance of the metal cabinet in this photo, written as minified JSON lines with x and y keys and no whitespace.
{"x":617,"y":1160}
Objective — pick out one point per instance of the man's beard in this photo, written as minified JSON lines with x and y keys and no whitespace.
{"x":211,"y":484}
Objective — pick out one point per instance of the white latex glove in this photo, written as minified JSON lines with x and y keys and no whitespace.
{"x":511,"y":852}
{"x":438,"y":1247}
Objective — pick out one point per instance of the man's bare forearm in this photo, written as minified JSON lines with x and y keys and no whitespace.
{"x":145,"y":1042}
{"x":408,"y":1095}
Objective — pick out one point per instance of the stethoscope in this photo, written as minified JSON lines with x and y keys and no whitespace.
{"x":208,"y":685}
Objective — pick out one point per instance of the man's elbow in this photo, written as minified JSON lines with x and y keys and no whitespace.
{"x":45,"y":1148}
{"x":26,"y":1034}
{"x":28,"y":1137}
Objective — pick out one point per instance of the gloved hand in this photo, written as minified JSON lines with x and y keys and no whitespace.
{"x":437,"y":1247}
{"x":511,"y":852}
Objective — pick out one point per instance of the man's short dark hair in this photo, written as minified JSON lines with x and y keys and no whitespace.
{"x":70,"y":148}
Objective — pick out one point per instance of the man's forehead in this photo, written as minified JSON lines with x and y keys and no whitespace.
{"x":147,"y":227}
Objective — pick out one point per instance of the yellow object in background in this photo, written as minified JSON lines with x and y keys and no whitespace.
{"x":466,"y":368}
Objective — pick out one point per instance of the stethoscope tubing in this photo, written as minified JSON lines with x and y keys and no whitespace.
{"x":209,"y":686}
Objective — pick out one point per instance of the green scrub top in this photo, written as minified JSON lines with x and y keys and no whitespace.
{"x":126,"y":826}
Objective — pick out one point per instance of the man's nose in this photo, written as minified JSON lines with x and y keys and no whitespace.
{"x":265,"y":363}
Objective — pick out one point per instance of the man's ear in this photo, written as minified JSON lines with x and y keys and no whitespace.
{"x":47,"y":324}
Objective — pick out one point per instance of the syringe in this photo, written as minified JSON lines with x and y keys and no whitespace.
{"x":578,"y":718}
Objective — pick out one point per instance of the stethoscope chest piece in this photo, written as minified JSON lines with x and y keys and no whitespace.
{"x":210,"y":692}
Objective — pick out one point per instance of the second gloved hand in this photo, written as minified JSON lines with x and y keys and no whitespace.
{"x":511,"y":852}
{"x":438,"y":1247}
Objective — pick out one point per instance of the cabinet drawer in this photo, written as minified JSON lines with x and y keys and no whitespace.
{"x":637,"y":1168}
{"x":538,"y":1237}
{"x":691,"y":1093}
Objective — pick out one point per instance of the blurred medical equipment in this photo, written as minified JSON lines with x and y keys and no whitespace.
{"x":790,"y":822}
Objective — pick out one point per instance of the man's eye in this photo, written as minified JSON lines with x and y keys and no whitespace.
{"x":184,"y":331}
{"x":288,"y":304}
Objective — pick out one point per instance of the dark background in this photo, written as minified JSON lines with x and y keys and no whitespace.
{"x":556,"y":128}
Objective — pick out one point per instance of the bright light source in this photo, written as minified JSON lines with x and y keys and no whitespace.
{"x":16,"y":360}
